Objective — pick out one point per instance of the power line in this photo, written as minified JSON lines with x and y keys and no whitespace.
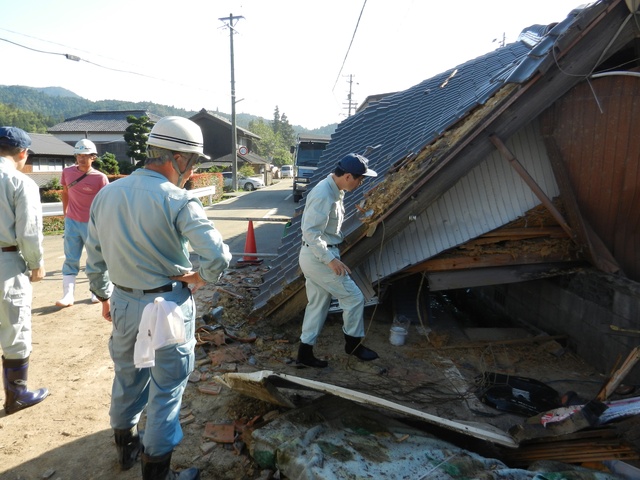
{"x":351,"y":43}
{"x":76,"y":58}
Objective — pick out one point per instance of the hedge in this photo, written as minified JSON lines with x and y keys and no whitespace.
{"x":55,"y":224}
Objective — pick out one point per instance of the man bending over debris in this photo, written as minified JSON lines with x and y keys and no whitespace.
{"x":326,"y":276}
{"x":139,"y":228}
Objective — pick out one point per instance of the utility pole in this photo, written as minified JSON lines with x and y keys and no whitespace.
{"x":230,"y":22}
{"x":350,"y":103}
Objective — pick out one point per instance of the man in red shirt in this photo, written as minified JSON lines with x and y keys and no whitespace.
{"x":80,"y":184}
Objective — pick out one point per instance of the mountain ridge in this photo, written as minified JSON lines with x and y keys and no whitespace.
{"x":59,"y":103}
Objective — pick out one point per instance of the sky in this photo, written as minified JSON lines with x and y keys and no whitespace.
{"x":303,"y":56}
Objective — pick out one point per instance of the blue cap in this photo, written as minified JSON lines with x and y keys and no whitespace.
{"x":14,"y":137}
{"x":356,"y":165}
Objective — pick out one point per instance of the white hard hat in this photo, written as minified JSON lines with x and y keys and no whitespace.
{"x":85,"y":147}
{"x":177,"y":134}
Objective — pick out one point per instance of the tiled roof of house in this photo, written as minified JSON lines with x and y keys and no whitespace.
{"x":111,"y":121}
{"x":223,"y":121}
{"x":45,"y":144}
{"x":404,"y":123}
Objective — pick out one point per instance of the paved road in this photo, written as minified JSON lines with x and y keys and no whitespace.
{"x":231,"y":217}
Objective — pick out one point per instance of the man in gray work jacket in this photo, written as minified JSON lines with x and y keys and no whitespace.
{"x":326,"y":275}
{"x":139,"y":230}
{"x":21,"y":263}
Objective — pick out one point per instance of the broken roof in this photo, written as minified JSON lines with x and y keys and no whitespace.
{"x":449,"y":116}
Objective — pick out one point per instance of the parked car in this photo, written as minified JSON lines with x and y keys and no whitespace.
{"x":286,"y":171}
{"x":246,"y":183}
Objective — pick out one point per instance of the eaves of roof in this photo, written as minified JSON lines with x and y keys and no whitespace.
{"x":204,"y":114}
{"x":251,"y":158}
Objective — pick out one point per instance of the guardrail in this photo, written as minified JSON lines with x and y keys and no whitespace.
{"x":54,"y":209}
{"x":209,"y":191}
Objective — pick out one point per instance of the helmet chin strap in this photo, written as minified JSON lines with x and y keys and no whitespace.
{"x":190,"y":163}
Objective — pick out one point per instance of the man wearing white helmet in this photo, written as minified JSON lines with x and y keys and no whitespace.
{"x":139,"y":230}
{"x":80,"y":184}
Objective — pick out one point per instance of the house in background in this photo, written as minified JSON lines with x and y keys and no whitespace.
{"x":217,"y":142}
{"x":515,"y":176}
{"x":107,"y":128}
{"x":104,"y":128}
{"x":48,"y":156}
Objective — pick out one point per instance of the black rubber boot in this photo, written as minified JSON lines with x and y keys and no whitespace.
{"x":305,"y":357}
{"x":128,"y":446}
{"x":353,"y":346}
{"x":159,"y":468}
{"x":16,"y":394}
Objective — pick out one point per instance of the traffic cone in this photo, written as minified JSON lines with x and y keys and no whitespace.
{"x":250,"y":246}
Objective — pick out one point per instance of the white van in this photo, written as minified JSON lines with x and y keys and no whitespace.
{"x":286,"y":171}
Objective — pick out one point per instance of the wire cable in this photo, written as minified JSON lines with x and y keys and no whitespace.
{"x":351,"y":43}
{"x":76,"y":58}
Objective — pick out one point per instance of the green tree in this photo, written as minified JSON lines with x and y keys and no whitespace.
{"x":286,"y":132}
{"x":136,"y":136}
{"x":126,"y":167}
{"x":268,"y":142}
{"x":246,"y":171}
{"x":272,"y":145}
{"x":107,"y":164}
{"x":275,"y":126}
{"x":31,"y":122}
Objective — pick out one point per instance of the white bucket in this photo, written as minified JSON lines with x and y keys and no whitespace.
{"x":397,"y":336}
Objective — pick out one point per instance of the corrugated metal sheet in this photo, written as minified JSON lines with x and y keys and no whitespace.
{"x":489,"y":196}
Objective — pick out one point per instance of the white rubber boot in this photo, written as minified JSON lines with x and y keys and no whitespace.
{"x":68,"y":286}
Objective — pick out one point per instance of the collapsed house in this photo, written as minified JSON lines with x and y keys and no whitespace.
{"x":515,"y":174}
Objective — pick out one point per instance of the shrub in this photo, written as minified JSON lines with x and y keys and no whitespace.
{"x":51,"y":196}
{"x":53,"y":225}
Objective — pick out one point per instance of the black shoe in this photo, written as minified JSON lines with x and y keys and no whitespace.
{"x":305,"y":357}
{"x":353,"y":346}
{"x":128,"y":446}
{"x":159,"y":468}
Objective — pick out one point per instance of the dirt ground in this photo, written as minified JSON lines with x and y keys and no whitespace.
{"x":68,"y":436}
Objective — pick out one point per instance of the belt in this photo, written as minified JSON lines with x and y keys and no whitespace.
{"x":329,"y":246}
{"x":165,"y":288}
{"x":10,"y":249}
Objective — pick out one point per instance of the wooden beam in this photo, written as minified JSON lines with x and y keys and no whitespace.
{"x":599,"y":254}
{"x":463,"y":262}
{"x":480,"y":277}
{"x":531,"y":183}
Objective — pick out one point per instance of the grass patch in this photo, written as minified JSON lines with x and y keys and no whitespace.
{"x":53,"y":225}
